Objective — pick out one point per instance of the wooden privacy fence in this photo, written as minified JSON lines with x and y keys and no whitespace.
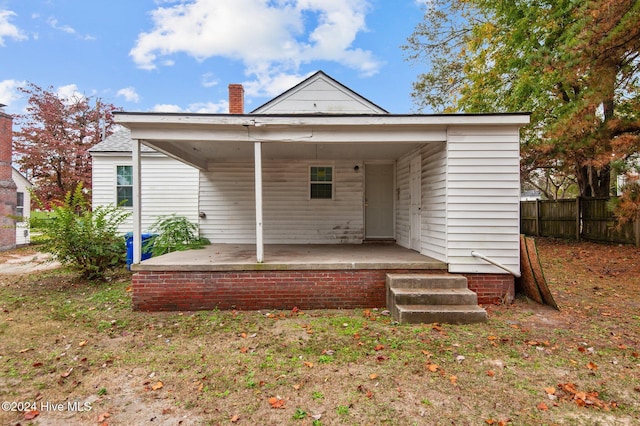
{"x":578,"y":218}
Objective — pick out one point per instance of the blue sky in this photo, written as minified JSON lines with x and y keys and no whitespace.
{"x":180,"y":55}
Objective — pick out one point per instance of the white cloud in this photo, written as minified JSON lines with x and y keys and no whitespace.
{"x":53,"y":23}
{"x":272,"y":38}
{"x":198,"y":107}
{"x":9,"y":93}
{"x":209,"y":80}
{"x":69,"y":93}
{"x":166,"y":108}
{"x":129,"y":94}
{"x":7,"y":29}
{"x":209,"y":107}
{"x":269,"y":84}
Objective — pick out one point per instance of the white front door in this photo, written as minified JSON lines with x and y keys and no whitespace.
{"x":378,"y":201}
{"x":415,"y":189}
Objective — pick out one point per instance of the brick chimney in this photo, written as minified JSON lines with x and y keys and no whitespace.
{"x":236,"y":99}
{"x":7,"y":185}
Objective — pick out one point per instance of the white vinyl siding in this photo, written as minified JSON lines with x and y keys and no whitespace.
{"x":320,"y":95}
{"x":168,"y":186}
{"x":483,"y":198}
{"x":289,"y":216}
{"x":434,"y":201}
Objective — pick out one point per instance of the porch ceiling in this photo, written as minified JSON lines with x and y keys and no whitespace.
{"x":233,"y":150}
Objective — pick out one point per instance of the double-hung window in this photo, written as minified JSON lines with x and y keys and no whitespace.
{"x":321,"y":183}
{"x":20,"y":206}
{"x":124,"y":186}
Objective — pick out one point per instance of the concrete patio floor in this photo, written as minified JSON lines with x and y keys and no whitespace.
{"x":279,"y":257}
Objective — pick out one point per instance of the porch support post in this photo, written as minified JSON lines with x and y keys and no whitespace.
{"x":258,"y":186}
{"x":137,"y":227}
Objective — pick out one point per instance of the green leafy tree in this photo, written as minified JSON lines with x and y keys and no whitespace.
{"x":87,"y":240}
{"x":574,"y":65}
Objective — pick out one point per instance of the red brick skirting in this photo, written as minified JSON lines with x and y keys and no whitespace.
{"x":492,"y":288}
{"x":252,"y":290}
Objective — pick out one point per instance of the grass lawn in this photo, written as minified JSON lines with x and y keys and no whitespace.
{"x":75,"y":352}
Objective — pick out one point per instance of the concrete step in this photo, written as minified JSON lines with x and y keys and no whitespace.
{"x":434,"y":296}
{"x":450,"y":314}
{"x":426,"y":281}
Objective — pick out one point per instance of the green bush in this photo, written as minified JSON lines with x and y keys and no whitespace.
{"x":173,"y":233}
{"x":85,"y":239}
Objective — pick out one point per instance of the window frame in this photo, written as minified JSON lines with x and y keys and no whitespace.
{"x":20,"y":206}
{"x":311,"y":182}
{"x":129,"y":203}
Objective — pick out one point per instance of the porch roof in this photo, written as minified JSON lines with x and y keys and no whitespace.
{"x":198,"y":138}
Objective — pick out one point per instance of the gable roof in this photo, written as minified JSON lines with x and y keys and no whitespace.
{"x":319,"y":94}
{"x":119,"y":141}
{"x":17,"y":175}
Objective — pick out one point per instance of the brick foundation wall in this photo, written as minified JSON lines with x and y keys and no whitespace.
{"x":492,"y":288}
{"x":253,"y":290}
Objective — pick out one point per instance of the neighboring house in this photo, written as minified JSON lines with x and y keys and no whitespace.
{"x":169,"y":186}
{"x":23,"y":207}
{"x":530,"y":195}
{"x":622,"y":180}
{"x":320,"y":164}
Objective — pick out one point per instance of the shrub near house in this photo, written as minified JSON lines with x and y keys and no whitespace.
{"x":87,"y":240}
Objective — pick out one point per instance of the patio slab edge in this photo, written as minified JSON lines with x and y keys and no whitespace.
{"x":429,"y":265}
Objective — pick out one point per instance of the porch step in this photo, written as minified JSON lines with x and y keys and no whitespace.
{"x":434,"y":296}
{"x":450,"y":314}
{"x":427,"y":298}
{"x":426,"y":281}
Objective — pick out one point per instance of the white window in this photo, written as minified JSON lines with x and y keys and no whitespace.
{"x":124,"y":186}
{"x":20,"y":206}
{"x":321,"y":183}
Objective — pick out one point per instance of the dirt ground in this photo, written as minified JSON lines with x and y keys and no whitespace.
{"x":73,"y":353}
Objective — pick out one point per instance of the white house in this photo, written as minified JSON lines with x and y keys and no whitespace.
{"x":23,"y":207}
{"x":320,"y":164}
{"x":170,"y":186}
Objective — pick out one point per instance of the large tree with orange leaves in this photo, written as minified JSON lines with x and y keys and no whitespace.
{"x":574,"y":65}
{"x":53,"y":137}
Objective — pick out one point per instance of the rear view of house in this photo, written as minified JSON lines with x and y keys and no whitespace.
{"x":322,"y":166}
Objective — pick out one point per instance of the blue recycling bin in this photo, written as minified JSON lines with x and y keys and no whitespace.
{"x":146,"y":251}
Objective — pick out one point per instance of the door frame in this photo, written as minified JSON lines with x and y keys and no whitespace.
{"x":364,"y":193}
{"x":415,"y":194}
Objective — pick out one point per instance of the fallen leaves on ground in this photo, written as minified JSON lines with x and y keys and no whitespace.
{"x":584,"y":399}
{"x":30,"y":415}
{"x":276,"y":402}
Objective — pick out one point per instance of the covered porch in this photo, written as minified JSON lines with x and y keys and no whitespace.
{"x":310,"y":276}
{"x":283,"y":257}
